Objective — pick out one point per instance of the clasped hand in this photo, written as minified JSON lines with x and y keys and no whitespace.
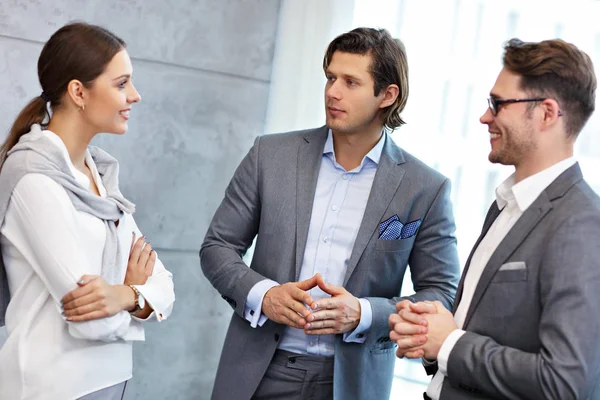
{"x":420,"y":329}
{"x":291,"y":304}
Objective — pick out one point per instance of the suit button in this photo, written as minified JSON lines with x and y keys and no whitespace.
{"x":277,"y":337}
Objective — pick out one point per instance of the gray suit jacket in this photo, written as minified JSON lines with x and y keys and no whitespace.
{"x":533,"y":327}
{"x":271,"y":194}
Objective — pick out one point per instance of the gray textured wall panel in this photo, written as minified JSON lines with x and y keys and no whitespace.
{"x":185,"y":139}
{"x":228,"y":36}
{"x":18,"y":79}
{"x":179,"y":358}
{"x":202,"y":68}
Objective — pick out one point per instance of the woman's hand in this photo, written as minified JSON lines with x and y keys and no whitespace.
{"x":141,"y":262}
{"x":95,"y":299}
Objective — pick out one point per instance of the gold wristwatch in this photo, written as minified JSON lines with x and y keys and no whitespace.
{"x":140,"y":302}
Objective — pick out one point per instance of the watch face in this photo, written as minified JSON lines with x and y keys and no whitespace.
{"x":141,"y":301}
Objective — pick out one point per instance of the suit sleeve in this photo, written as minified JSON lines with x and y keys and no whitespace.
{"x":567,"y":364}
{"x":231,"y":232}
{"x":433,"y":262}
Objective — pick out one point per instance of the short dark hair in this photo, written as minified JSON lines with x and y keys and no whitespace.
{"x":559,"y":70}
{"x":388,"y":66}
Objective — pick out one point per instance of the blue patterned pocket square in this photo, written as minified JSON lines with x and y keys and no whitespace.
{"x":385,"y":224}
{"x":393,"y":229}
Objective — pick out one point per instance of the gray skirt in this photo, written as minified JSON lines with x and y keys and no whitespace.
{"x":115,"y":392}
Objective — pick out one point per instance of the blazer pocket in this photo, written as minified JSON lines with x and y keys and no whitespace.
{"x":511,"y":266}
{"x":395,"y":245}
{"x":510,"y":275}
{"x":384,"y":348}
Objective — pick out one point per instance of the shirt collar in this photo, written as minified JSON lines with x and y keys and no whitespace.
{"x":374,"y":154}
{"x":525,"y":192}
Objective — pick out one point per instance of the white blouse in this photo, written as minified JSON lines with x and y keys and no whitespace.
{"x":47,"y":246}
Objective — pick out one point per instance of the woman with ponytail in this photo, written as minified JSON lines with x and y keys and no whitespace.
{"x":77,"y":278}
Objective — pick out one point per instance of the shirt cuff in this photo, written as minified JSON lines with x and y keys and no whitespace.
{"x":253,"y":307}
{"x":359,"y":334}
{"x":158,"y":292}
{"x":151,"y":296}
{"x":149,"y":317}
{"x":428,"y":363}
{"x":153,"y":314}
{"x":446,"y":349}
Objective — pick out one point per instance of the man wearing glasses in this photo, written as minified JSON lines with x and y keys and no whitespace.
{"x":525,"y":323}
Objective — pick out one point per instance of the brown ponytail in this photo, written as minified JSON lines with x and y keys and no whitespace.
{"x":76,"y":51}
{"x":34,"y":113}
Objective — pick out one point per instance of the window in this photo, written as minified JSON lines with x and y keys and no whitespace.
{"x":454,"y":53}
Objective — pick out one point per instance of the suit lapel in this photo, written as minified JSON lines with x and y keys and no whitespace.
{"x":526,"y":223}
{"x":491,"y":216}
{"x":385,"y":184}
{"x":310,"y":154}
{"x":522,"y":228}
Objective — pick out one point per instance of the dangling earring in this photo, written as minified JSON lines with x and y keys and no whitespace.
{"x":82,"y":108}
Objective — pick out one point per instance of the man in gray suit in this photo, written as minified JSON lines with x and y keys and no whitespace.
{"x":339,"y":211}
{"x":526,"y":322}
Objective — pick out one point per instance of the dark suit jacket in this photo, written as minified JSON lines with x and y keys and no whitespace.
{"x":533,"y":326}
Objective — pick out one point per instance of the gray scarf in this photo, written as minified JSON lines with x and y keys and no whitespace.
{"x":35,"y":153}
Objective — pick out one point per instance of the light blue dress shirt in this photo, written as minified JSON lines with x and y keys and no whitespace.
{"x":339,"y":205}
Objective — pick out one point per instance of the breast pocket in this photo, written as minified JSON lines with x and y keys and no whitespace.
{"x":397,"y":245}
{"x":510,"y":276}
{"x":508,"y":288}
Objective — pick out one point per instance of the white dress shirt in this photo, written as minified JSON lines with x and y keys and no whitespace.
{"x":338,"y":208}
{"x":513,"y":199}
{"x":47,"y":245}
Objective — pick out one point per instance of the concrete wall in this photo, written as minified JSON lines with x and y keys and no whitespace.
{"x":203,"y":69}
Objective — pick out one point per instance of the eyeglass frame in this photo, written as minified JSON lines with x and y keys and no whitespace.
{"x":495,"y":103}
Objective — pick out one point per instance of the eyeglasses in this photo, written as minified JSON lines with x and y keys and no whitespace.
{"x":495,"y":103}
